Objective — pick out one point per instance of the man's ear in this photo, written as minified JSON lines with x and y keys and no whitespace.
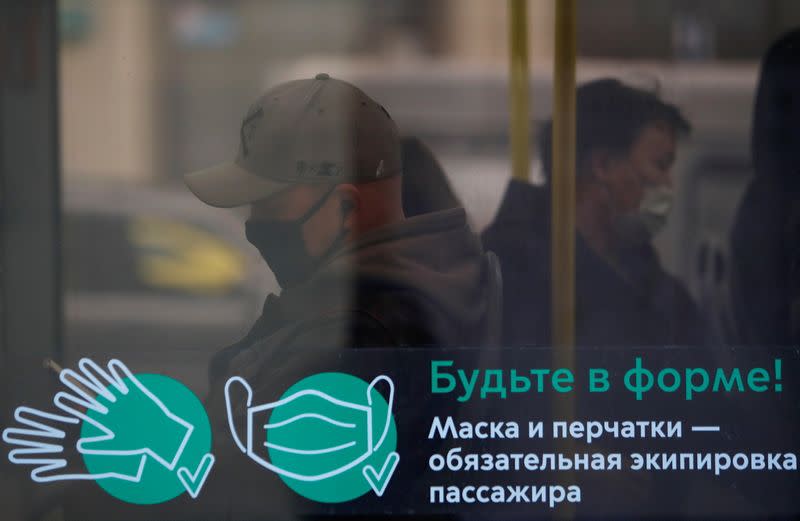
{"x":349,"y":203}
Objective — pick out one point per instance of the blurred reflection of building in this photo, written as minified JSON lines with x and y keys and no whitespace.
{"x":682,"y":29}
{"x":109,"y":123}
{"x":152,"y":89}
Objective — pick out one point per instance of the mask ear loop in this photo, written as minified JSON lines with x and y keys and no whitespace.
{"x":390,"y":403}
{"x":229,"y":408}
{"x":339,"y":239}
{"x":316,"y":206}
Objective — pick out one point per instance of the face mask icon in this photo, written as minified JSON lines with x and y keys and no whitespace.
{"x":317,"y":431}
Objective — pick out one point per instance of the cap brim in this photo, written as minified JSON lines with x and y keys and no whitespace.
{"x":229,"y":185}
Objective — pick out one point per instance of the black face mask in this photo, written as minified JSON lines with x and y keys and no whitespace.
{"x":282,"y":247}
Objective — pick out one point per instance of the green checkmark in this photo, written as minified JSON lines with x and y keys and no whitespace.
{"x":336,"y":435}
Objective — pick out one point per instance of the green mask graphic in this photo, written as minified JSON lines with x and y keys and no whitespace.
{"x":331,"y":436}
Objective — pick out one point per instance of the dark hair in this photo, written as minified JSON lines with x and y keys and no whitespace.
{"x":610,"y":115}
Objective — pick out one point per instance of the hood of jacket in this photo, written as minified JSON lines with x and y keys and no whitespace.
{"x":435,"y":255}
{"x":433,"y":260}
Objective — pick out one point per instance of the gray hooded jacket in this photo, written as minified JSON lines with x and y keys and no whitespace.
{"x":424,"y":282}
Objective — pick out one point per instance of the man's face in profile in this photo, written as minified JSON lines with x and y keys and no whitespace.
{"x":648,"y":164}
{"x":296,"y":228}
{"x":293,"y":203}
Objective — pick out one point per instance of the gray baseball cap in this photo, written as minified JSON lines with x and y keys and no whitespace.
{"x":320,"y":130}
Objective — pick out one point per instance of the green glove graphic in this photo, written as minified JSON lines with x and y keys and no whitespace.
{"x":331,"y":437}
{"x":166,"y":434}
{"x":143,"y":438}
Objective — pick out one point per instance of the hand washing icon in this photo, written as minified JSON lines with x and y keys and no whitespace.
{"x":331,"y":436}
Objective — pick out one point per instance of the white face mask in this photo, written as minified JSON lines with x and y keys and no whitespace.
{"x":655,"y":207}
{"x":344,"y":430}
{"x":651,"y":216}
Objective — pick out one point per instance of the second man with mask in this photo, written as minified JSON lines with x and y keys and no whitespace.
{"x":626,"y":146}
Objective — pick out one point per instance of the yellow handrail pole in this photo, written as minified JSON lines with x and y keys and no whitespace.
{"x":562,"y":224}
{"x":563,"y":187}
{"x":519,"y":108}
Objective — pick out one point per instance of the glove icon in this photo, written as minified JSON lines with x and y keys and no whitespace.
{"x":166,"y":436}
{"x":123,"y":424}
{"x":40,"y":443}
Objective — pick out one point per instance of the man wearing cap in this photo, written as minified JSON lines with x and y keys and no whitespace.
{"x":319,"y":165}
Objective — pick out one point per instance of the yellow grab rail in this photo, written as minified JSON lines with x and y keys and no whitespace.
{"x":562,"y":231}
{"x":562,"y":224}
{"x":518,"y":89}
